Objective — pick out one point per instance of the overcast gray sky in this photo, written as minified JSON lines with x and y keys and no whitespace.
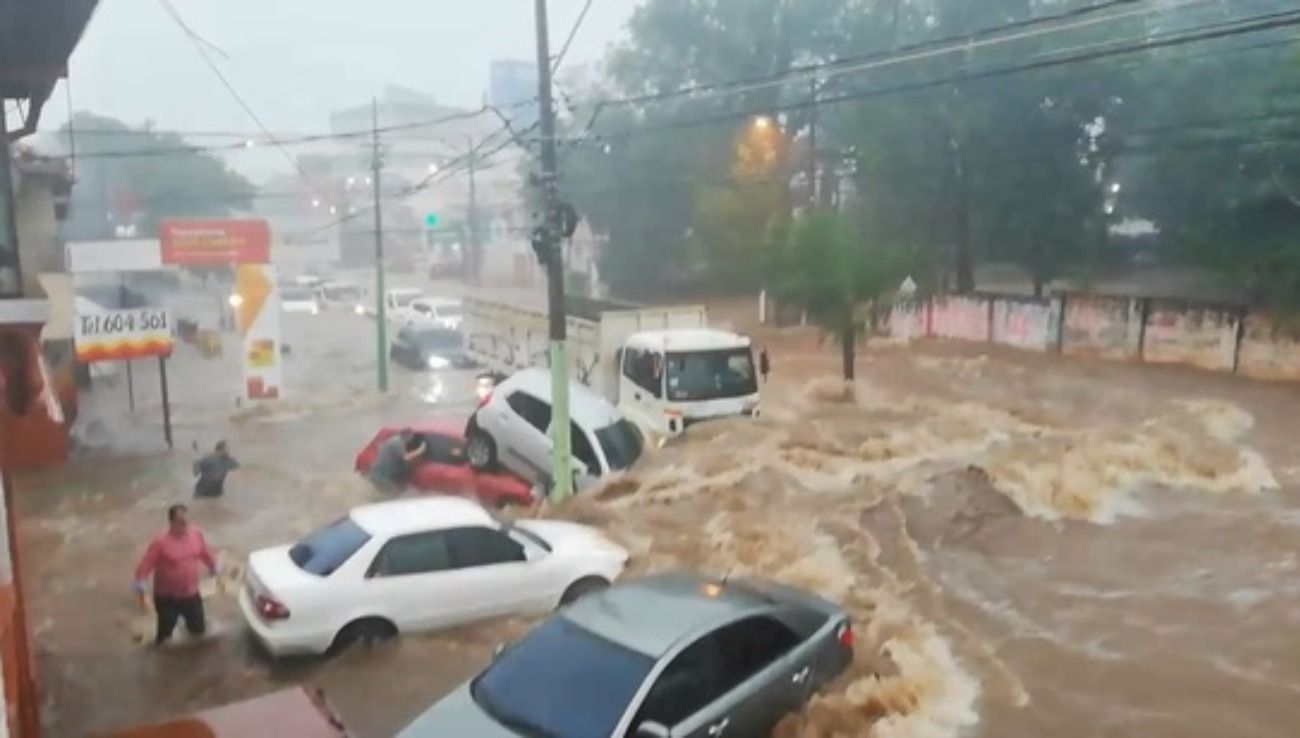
{"x":295,"y":60}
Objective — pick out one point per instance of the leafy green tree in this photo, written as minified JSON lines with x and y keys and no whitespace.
{"x":139,"y":176}
{"x":827,"y":270}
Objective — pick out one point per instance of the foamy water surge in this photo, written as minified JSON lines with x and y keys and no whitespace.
{"x":784,"y":497}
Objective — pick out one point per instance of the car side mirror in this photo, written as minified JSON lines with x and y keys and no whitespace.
{"x":651,"y":729}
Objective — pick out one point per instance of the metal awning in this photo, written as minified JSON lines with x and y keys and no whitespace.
{"x":36,"y":39}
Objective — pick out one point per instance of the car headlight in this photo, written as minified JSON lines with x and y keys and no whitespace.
{"x":359,"y":309}
{"x":437,"y":362}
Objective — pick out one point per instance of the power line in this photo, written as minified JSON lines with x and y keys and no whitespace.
{"x":200,"y":47}
{"x":1255,"y":24}
{"x":914,"y":52}
{"x":573,"y":33}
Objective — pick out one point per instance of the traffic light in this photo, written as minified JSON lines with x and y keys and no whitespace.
{"x":431,"y":221}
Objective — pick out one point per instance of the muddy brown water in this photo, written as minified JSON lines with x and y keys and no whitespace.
{"x":1029,"y":546}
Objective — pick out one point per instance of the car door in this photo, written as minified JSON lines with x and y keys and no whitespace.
{"x":410,"y":581}
{"x":736,"y":681}
{"x":524,"y":435}
{"x":498,"y":579}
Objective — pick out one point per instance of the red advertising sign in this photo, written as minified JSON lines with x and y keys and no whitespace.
{"x":215,"y":242}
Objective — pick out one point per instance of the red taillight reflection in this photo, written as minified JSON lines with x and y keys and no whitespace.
{"x":845,"y":635}
{"x":269,"y":609}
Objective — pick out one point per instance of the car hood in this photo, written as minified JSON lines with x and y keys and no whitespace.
{"x":456,"y":715}
{"x":573,"y":538}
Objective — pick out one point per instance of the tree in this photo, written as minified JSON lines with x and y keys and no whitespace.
{"x":825,"y":269}
{"x":139,"y":176}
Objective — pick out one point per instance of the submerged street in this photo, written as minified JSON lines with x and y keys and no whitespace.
{"x":1029,"y":546}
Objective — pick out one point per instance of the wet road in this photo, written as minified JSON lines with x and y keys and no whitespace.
{"x":1030,"y":547}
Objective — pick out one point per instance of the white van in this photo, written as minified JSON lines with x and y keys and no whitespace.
{"x":669,"y":380}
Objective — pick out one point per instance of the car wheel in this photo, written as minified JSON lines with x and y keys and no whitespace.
{"x":582,"y":588}
{"x":480,"y":449}
{"x":366,"y":631}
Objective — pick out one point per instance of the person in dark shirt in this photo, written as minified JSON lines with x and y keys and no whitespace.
{"x":392,"y":468}
{"x":764,"y":364}
{"x":211,"y":471}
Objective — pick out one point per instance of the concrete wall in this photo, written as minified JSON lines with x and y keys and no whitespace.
{"x":963,"y":318}
{"x":1178,"y":333}
{"x":1266,"y":353}
{"x":1212,"y":337}
{"x":1106,"y":327}
{"x":1025,"y":324}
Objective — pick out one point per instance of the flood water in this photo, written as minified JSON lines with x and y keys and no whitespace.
{"x":1029,"y":546}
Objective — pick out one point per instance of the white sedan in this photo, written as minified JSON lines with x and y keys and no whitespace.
{"x":417,"y":565}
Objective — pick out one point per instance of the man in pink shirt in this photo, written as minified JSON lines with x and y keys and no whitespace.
{"x":173,"y":558}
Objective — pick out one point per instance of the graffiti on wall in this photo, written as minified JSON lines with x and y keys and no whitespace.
{"x":963,"y":318}
{"x":1023,"y":324}
{"x":1266,"y":352}
{"x":1180,"y":334}
{"x":1108,"y":327}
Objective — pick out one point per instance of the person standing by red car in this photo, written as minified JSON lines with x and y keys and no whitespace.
{"x":172,"y":560}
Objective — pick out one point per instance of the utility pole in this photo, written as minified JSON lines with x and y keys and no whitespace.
{"x":473,"y":255}
{"x":813,"y":175}
{"x":561,"y":476}
{"x":381,"y":308}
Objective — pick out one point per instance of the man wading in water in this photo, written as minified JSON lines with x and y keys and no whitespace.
{"x":173,"y":560}
{"x":211,"y":471}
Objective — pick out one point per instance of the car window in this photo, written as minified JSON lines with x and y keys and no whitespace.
{"x":684,"y":687}
{"x":328,"y":548}
{"x":536,"y":412}
{"x":622,"y":444}
{"x":749,"y":646}
{"x":712,"y":666}
{"x":582,"y":449}
{"x":422,"y":308}
{"x":531,"y":686}
{"x":479,"y":546}
{"x":419,"y":553}
{"x":645,"y":369}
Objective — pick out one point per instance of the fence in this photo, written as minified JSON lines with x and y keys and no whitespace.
{"x":1221,"y":338}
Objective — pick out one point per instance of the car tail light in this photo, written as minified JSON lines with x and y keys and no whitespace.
{"x":845,"y":635}
{"x":271,"y":609}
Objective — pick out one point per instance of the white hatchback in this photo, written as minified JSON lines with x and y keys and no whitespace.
{"x":512,"y":427}
{"x":417,"y":565}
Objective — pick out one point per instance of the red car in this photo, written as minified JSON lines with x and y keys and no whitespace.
{"x":444,"y":467}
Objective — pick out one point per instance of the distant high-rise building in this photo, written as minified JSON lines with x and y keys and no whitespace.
{"x":512,"y":88}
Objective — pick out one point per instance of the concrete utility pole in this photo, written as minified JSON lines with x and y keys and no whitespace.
{"x":561,"y":476}
{"x":381,"y":308}
{"x":813,"y":174}
{"x":473,"y":255}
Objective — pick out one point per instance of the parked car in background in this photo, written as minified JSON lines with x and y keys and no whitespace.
{"x":445,"y":468}
{"x":675,"y":655}
{"x":511,"y":427}
{"x":338,"y":294}
{"x":429,"y":347}
{"x":294,"y":299}
{"x":397,"y":303}
{"x":291,"y":712}
{"x":436,"y":312}
{"x":417,"y":565}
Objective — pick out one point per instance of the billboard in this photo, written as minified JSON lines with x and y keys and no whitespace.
{"x":115,"y":335}
{"x":214,"y":242}
{"x":257,"y":311}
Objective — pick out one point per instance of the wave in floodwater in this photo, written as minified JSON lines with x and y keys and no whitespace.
{"x":784,"y":497}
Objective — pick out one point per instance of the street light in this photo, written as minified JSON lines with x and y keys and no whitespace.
{"x":762,"y":123}
{"x":236,"y":300}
